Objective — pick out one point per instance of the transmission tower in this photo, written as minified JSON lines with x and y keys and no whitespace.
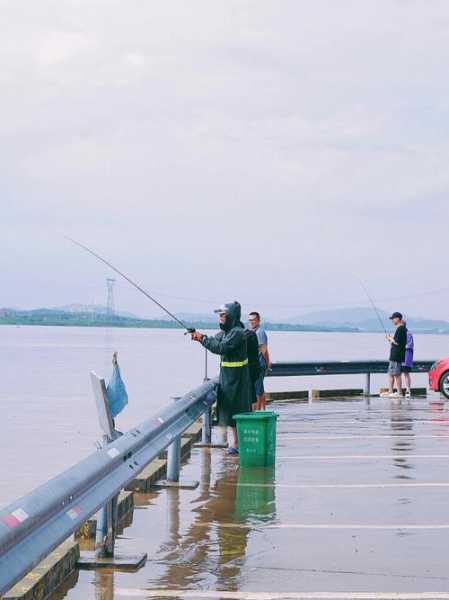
{"x":110,"y":308}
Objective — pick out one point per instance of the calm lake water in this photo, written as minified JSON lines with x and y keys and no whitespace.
{"x":49,"y":419}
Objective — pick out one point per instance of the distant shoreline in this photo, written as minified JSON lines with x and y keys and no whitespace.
{"x":127,"y":323}
{"x":150,"y":324}
{"x":59,"y":318}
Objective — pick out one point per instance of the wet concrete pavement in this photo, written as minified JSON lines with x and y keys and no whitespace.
{"x":357,"y":507}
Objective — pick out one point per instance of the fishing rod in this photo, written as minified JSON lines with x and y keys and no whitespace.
{"x":134,"y":284}
{"x":382,"y":324}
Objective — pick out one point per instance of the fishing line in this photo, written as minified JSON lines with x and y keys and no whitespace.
{"x":382,"y":324}
{"x":133,"y":283}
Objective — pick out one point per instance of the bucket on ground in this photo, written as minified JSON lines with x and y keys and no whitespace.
{"x":256,"y":432}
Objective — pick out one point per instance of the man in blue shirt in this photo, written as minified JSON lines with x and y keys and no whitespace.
{"x":264,"y":358}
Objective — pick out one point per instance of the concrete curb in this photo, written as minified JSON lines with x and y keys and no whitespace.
{"x":328,"y":394}
{"x":298,"y":396}
{"x":287,"y":396}
{"x":421,"y":391}
{"x":51,"y":574}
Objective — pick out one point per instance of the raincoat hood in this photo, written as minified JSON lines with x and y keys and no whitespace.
{"x":233,"y":312}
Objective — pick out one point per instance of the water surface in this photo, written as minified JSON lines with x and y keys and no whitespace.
{"x":49,"y":419}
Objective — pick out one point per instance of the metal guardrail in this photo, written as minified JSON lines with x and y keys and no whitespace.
{"x":342,"y":367}
{"x":350,"y":367}
{"x":33,"y":526}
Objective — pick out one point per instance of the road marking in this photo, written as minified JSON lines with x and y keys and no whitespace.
{"x":336,"y":526}
{"x":351,"y":572}
{"x":164,"y":593}
{"x":343,"y":486}
{"x":319,"y":438}
{"x":372,"y":423}
{"x":365,"y":456}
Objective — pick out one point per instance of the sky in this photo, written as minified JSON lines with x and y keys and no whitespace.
{"x":265,"y":151}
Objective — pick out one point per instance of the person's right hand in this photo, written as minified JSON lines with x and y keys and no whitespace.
{"x":197,"y":336}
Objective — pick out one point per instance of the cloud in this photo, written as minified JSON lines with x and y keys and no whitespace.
{"x":240,"y":145}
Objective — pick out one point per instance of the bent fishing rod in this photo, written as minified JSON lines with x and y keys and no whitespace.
{"x":134,"y":284}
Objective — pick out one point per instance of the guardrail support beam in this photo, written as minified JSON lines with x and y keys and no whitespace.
{"x":206,"y":434}
{"x":174,"y":460}
{"x":174,"y":467}
{"x":367,"y":390}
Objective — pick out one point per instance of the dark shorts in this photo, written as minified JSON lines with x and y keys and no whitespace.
{"x":394,"y":368}
{"x":258,"y":385}
{"x":406,"y":369}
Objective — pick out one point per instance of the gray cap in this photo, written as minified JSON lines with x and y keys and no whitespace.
{"x":224,"y":308}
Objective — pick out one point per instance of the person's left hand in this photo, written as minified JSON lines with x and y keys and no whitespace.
{"x":197,"y":336}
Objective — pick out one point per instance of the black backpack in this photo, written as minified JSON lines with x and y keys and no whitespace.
{"x":252,"y":348}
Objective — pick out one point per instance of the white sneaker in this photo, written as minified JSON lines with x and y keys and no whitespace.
{"x":408,"y":394}
{"x":385,"y":394}
{"x":395,"y":395}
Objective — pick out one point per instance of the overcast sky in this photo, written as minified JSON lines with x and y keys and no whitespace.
{"x":265,"y":151}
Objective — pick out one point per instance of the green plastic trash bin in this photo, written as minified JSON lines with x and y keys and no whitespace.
{"x":256,"y":432}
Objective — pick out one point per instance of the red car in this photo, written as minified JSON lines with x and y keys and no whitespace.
{"x":439,"y":377}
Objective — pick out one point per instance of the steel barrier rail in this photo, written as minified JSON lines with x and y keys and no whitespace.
{"x":350,"y":367}
{"x":33,"y":526}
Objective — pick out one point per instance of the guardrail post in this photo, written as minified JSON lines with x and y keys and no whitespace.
{"x":367,"y":390}
{"x":174,"y":466}
{"x":206,"y":378}
{"x":106,"y":530}
{"x":174,"y":457}
{"x":174,"y":460}
{"x":206,"y":434}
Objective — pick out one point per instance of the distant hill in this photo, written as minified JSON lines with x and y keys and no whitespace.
{"x":64,"y":318}
{"x":202,"y":317}
{"x":343,"y":320}
{"x":91,"y":308}
{"x":364,"y":319}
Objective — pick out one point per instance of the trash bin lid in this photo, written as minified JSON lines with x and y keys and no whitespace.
{"x":261,"y":415}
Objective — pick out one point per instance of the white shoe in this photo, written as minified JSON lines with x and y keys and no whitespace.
{"x":385,"y":395}
{"x":408,"y":394}
{"x":395,"y":395}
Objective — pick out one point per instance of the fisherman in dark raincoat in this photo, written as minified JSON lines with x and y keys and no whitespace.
{"x":234,"y":389}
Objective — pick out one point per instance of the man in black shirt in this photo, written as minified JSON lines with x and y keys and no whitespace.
{"x":397,"y":355}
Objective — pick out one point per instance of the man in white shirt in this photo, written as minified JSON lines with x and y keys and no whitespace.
{"x":264,"y":358}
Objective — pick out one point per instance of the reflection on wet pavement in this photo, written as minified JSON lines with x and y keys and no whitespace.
{"x":357,"y":503}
